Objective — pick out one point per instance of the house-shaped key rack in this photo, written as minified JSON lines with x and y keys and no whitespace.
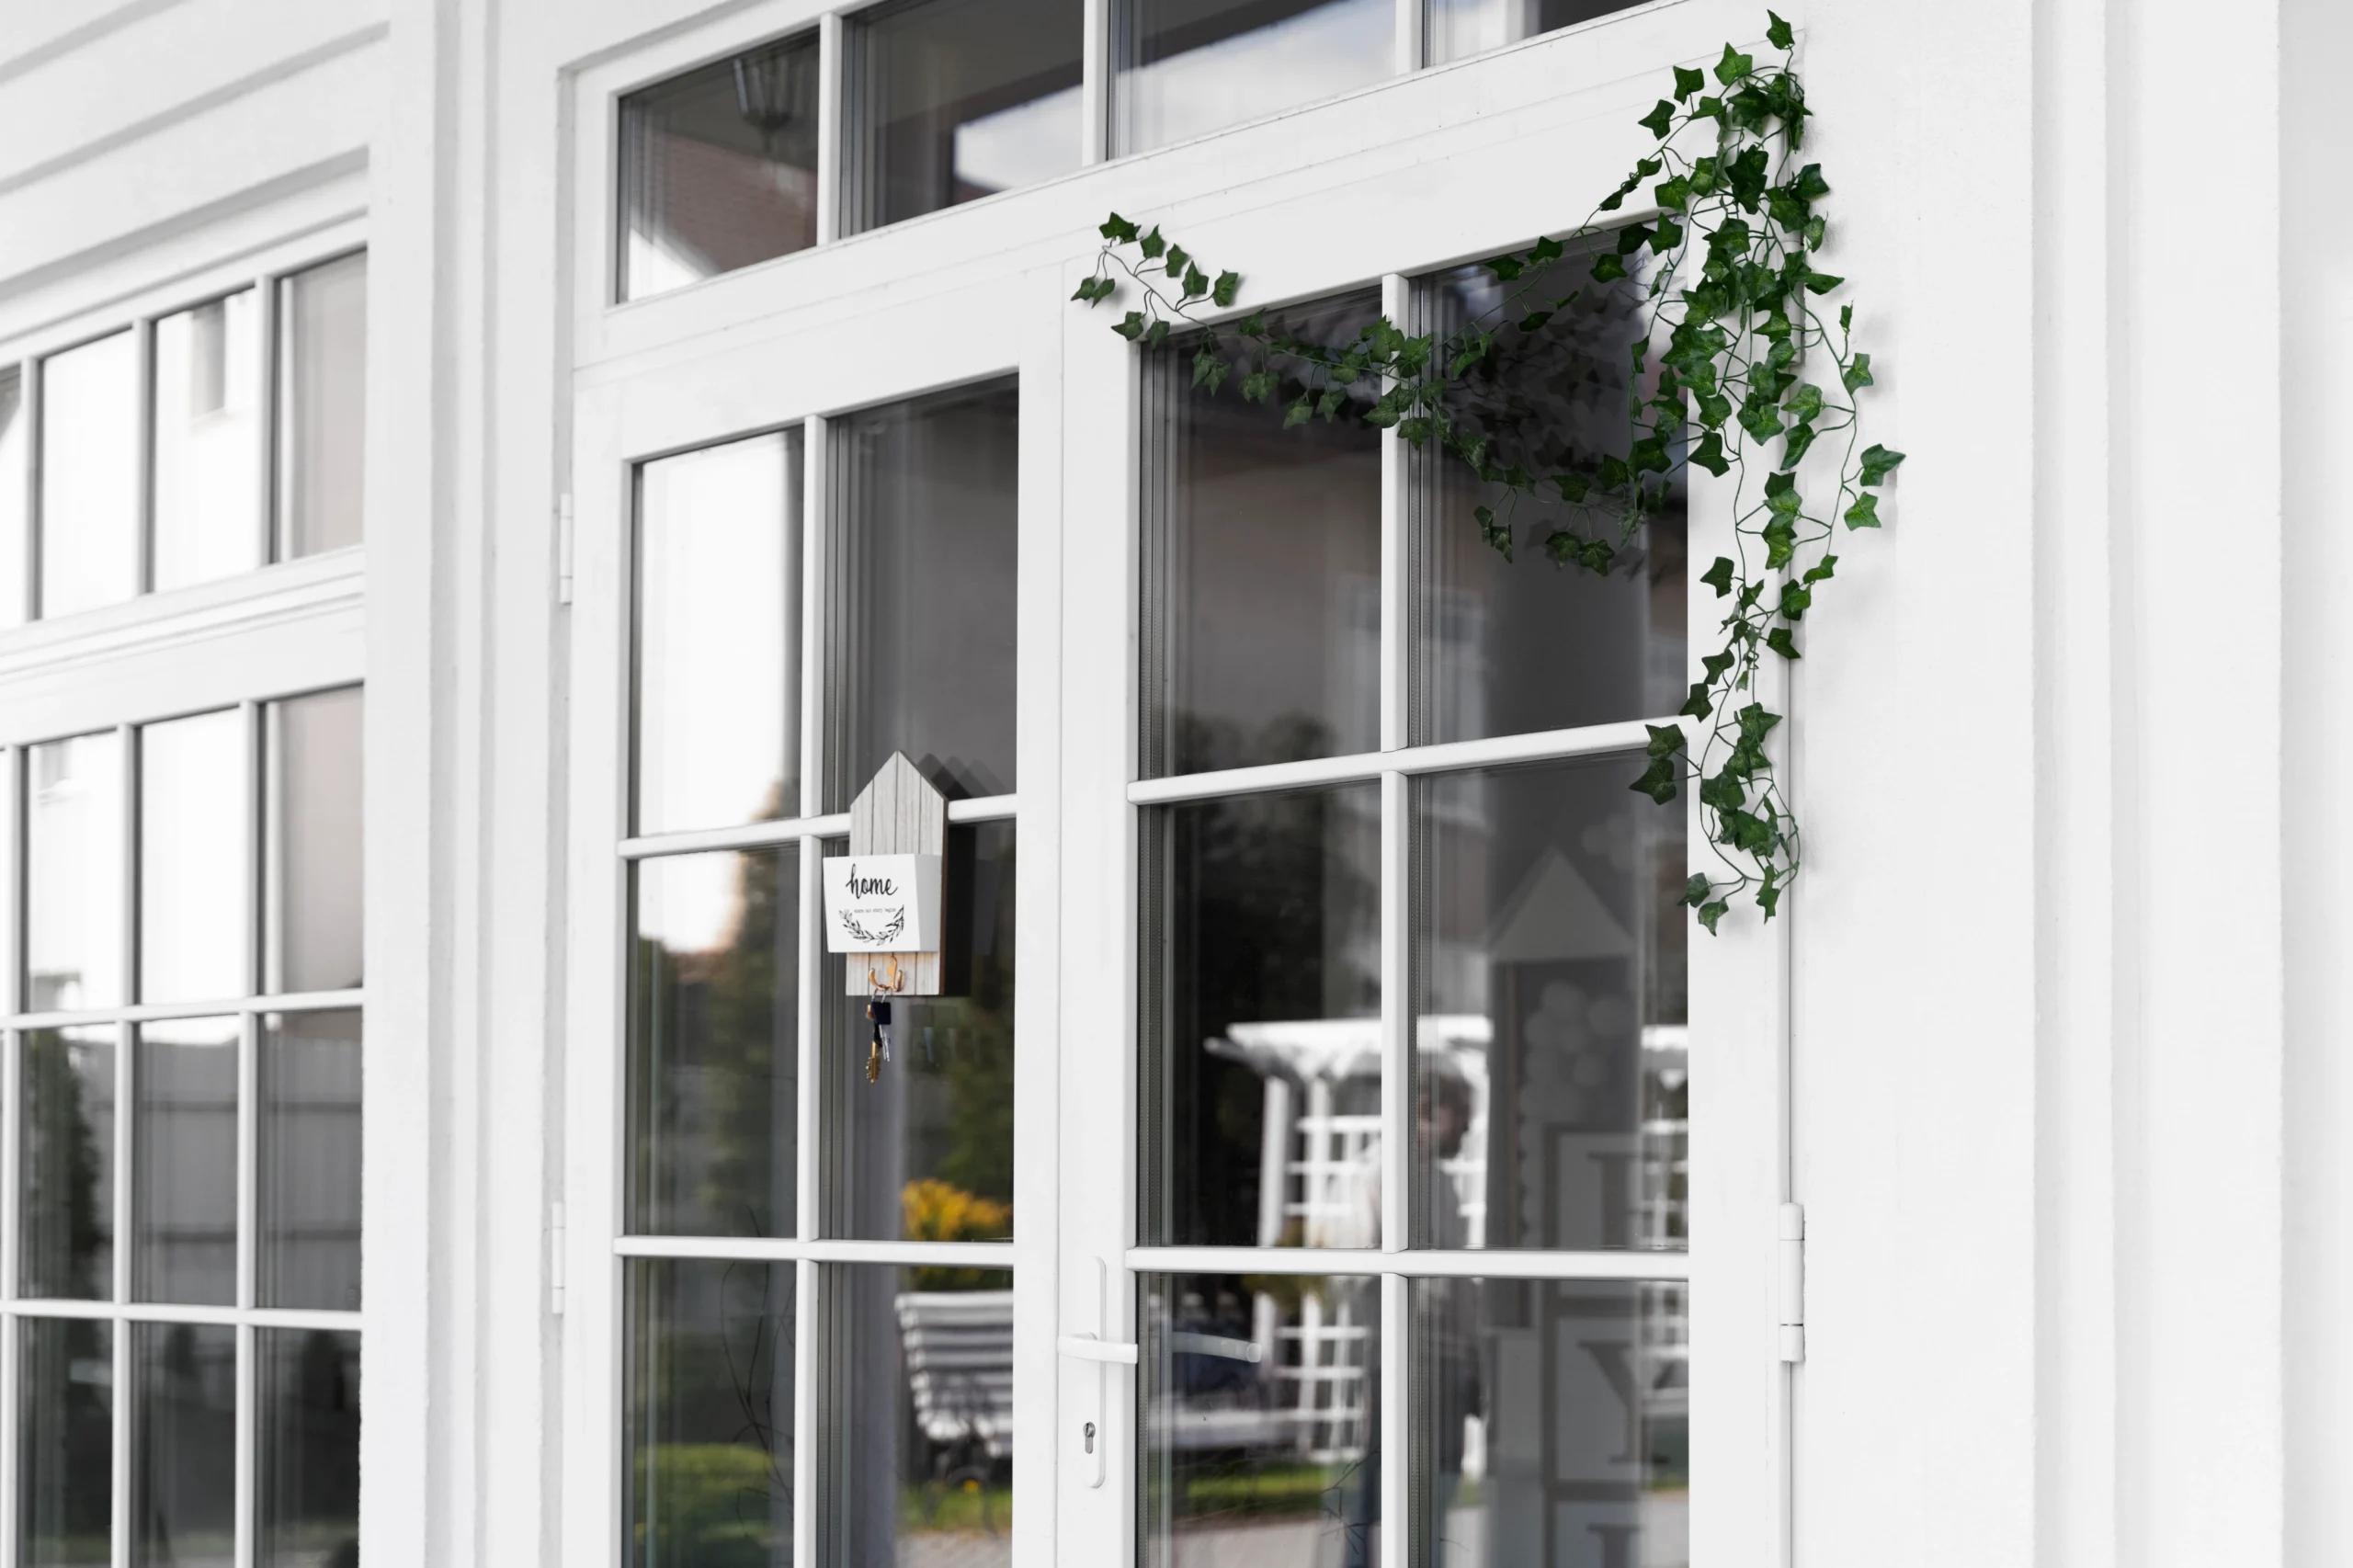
{"x":898,"y":841}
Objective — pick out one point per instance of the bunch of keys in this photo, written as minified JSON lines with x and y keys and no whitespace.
{"x":878,"y":1010}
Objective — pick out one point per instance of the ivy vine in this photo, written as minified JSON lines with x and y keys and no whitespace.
{"x":1728,"y":326}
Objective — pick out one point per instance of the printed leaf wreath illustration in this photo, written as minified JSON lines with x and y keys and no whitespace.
{"x":860,"y":931}
{"x":1727,"y":343}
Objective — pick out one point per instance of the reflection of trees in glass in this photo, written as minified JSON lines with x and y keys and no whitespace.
{"x":713,"y":1062}
{"x":977,"y":1153}
{"x":1272,"y":909}
{"x":712,"y":1482}
{"x":68,"y":1433}
{"x":67,"y":1230}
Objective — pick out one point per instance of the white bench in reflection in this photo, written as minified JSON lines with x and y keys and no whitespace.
{"x":957,"y":1346}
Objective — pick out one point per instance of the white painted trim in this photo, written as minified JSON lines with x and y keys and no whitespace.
{"x":1549,"y":745}
{"x":1422,"y":1265}
{"x":793,"y":830}
{"x":763,"y":1249}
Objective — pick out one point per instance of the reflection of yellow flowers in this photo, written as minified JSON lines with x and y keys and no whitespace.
{"x":942,"y":1211}
{"x":936,"y":1211}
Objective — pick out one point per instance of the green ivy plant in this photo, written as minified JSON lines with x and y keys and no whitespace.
{"x":1723,"y":370}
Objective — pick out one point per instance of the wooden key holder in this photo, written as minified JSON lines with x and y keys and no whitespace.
{"x":883,"y":899}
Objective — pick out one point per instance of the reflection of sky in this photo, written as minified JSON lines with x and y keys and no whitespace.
{"x":1313,"y":55}
{"x":689,"y":903}
{"x":1020,"y":145}
{"x":654,"y":268}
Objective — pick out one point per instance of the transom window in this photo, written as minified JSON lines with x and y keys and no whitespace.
{"x":941,"y":102}
{"x":187,"y":446}
{"x":180,"y":1237}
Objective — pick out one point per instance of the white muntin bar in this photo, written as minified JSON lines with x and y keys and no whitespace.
{"x":265,"y":395}
{"x":764,"y":1249}
{"x":144,"y":541}
{"x":159,"y":1012}
{"x":834,"y":110}
{"x":1544,"y":746}
{"x":1431,"y":1264}
{"x":247,"y":1376}
{"x":786,"y":830}
{"x":1099,"y":73}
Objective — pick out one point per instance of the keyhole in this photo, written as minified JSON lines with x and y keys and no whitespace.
{"x":1090,"y":1437}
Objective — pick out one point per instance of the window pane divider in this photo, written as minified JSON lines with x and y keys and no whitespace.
{"x":322,"y":1318}
{"x":789,"y":830}
{"x":786,"y":1249}
{"x":1452,"y":1264}
{"x":161,"y":1012}
{"x":1542,"y":745}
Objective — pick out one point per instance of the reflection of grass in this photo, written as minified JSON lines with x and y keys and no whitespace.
{"x":968,"y":1506}
{"x":713,"y":1502}
{"x":71,"y":1548}
{"x":1266,"y":1489}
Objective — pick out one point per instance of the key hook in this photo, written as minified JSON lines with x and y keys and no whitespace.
{"x":898,"y":979}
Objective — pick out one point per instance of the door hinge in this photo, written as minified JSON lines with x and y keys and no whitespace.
{"x":563,"y":549}
{"x":1792,"y":1285}
{"x":556,"y":1259}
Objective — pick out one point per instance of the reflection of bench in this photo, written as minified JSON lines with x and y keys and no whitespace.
{"x":958,"y":1350}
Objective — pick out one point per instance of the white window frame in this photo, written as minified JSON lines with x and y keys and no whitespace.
{"x":1419,"y":173}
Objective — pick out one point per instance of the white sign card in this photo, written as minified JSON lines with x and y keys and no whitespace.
{"x":882,"y":904}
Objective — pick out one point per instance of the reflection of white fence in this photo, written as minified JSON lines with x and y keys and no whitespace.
{"x":957,"y":1346}
{"x":1326,"y":1386}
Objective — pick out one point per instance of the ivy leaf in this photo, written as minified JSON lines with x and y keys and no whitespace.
{"x":1301,"y":410}
{"x":1781,"y":643}
{"x":1661,"y":118}
{"x":1709,"y":454}
{"x":1119,"y":229}
{"x":1206,"y":361}
{"x":1795,"y":602}
{"x":1497,"y":535}
{"x":1665,"y":739}
{"x":1329,"y":404}
{"x":1674,"y":193}
{"x":1534,"y":321}
{"x":1879,"y":462}
{"x":1227,"y":286}
{"x":1780,"y":543}
{"x":1260,"y":385}
{"x":1698,"y":704}
{"x":1719,"y":577}
{"x":1132,"y":326}
{"x":1810,"y":185}
{"x":1805,"y":403}
{"x":1197,"y":283}
{"x":1669,"y":236}
{"x":1864,"y":513}
{"x":1253,"y":325}
{"x":1820,"y":572}
{"x":1688,"y":81}
{"x":1695,"y":892}
{"x":1717,"y":663}
{"x":1857,"y":374}
{"x":1659,"y":780}
{"x":1748,"y":832}
{"x":1157,"y":335}
{"x":1574,"y":487}
{"x":1800,"y":439}
{"x":1176,"y":262}
{"x":1546,"y":249}
{"x":1733,"y":66}
{"x":1712,"y":913}
{"x":1846,"y":318}
{"x":1816,"y":228}
{"x":1632,"y":237}
{"x":1822,"y":282}
{"x":1504,"y":267}
{"x":1769,"y":896}
{"x":1152,"y":244}
{"x":1779,"y":35}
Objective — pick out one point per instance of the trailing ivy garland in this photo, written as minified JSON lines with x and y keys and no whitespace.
{"x":1733,"y":203}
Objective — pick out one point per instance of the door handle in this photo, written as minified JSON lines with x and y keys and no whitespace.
{"x":1093,"y":1435}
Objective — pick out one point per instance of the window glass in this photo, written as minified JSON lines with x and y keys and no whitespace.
{"x":1260,"y":1397}
{"x":964,"y":98}
{"x":207,"y":433}
{"x":183,"y":1444}
{"x":65,"y":1150}
{"x":1493,"y":637}
{"x":1195,"y":67}
{"x":1458,"y":29}
{"x":184,"y":1163}
{"x":706,"y":1402}
{"x":89,"y":475}
{"x":1554,"y":1422}
{"x":306,"y":1189}
{"x":321,"y":407}
{"x":312,"y":873}
{"x":919,"y":1391}
{"x":718,"y":636}
{"x":64,"y":1442}
{"x":13,"y":546}
{"x":1262,"y":571}
{"x":74,"y":831}
{"x":922,"y":640}
{"x":1261,"y":1088}
{"x":713,"y":1063}
{"x":194,"y":878}
{"x":1551,"y":1078}
{"x":925,"y":1150}
{"x":719,"y":167}
{"x":306,"y":1491}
